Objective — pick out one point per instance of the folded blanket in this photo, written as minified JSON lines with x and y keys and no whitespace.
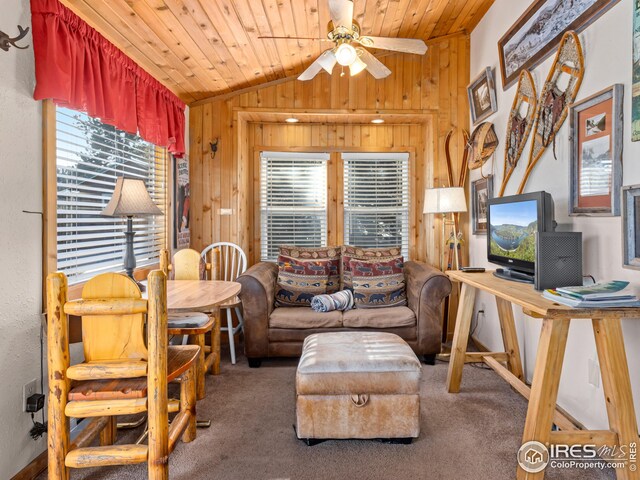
{"x":342,"y":300}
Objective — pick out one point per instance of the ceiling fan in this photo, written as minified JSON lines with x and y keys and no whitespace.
{"x":348,"y":51}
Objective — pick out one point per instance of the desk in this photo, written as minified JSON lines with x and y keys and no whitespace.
{"x":542,"y":412}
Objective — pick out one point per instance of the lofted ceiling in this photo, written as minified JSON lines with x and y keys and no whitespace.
{"x":204,"y":48}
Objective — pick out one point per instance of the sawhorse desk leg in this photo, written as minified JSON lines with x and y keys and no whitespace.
{"x":460,"y":337}
{"x":616,"y":386}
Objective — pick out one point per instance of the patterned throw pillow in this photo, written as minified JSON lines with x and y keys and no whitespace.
{"x":367,"y":254}
{"x":378,"y":283}
{"x":328,"y":255}
{"x":299,"y":282}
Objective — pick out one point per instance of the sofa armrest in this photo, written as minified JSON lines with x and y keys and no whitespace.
{"x":258,"y":297}
{"x":427,"y":287}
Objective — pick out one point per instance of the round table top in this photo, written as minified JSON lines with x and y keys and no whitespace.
{"x":198,"y":295}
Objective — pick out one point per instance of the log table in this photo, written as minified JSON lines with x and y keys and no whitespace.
{"x":542,"y":412}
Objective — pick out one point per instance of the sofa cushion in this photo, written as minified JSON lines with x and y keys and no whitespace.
{"x":349,"y":253}
{"x":298,"y":282}
{"x":328,"y":255}
{"x":378,"y":284}
{"x":304,"y":318}
{"x":387,"y":317}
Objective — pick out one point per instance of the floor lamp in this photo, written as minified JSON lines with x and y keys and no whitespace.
{"x":444,"y":201}
{"x":130,"y":199}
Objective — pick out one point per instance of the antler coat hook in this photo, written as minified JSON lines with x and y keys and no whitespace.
{"x":214,"y":148}
{"x":7,"y":42}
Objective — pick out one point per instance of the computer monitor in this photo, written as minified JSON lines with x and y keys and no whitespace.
{"x":512,"y":225}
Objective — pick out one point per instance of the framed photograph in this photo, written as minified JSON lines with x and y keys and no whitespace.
{"x":635,"y":96}
{"x":631,"y":226}
{"x":182,"y":196}
{"x":538,"y":31}
{"x":596,"y":133}
{"x":482,"y":96}
{"x":481,"y":192}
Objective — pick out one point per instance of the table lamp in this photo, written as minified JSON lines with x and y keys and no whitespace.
{"x":130,"y":199}
{"x":443,"y":201}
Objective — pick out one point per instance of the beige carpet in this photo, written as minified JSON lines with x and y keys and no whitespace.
{"x":472,"y":435}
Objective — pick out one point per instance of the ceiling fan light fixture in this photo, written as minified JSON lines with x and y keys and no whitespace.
{"x":346,"y":54}
{"x":357,"y":66}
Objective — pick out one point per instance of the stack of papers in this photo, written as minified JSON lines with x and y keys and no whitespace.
{"x":600,"y":295}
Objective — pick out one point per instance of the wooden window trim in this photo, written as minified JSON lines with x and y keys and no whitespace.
{"x":49,"y":204}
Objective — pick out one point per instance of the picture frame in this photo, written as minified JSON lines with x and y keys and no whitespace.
{"x":481,"y":192}
{"x":538,"y":31}
{"x":631,"y":226}
{"x":635,"y":91}
{"x":482,"y":96}
{"x":595,"y":164}
{"x":182,"y":201}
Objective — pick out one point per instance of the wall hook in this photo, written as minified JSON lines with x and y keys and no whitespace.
{"x":7,"y":42}
{"x":214,"y":148}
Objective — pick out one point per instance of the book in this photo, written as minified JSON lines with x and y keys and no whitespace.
{"x":599,"y":291}
{"x":555,"y":296}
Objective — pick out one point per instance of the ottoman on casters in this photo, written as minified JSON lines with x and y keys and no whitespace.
{"x":357,"y":385}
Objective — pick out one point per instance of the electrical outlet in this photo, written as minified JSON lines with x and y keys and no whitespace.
{"x":27,"y":390}
{"x":594,"y":373}
{"x":226,"y":211}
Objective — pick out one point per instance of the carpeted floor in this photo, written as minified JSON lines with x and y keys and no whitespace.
{"x":472,"y":435}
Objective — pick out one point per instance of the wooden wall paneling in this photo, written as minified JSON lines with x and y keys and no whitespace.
{"x":424,"y":93}
{"x":206,"y":170}
{"x":195,"y":176}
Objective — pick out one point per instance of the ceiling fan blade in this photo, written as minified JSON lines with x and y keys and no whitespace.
{"x":341,"y":12}
{"x":406,"y":45}
{"x":325,"y":61}
{"x":374,"y":66}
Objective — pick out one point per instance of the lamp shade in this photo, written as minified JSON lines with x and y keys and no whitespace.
{"x":444,"y":200}
{"x":130,"y":199}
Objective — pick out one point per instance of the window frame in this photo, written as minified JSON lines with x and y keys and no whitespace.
{"x":301,"y":157}
{"x":335,"y":190}
{"x":49,"y":207}
{"x":403,"y":210}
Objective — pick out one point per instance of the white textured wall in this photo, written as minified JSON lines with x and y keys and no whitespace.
{"x":20,"y":241}
{"x":607,"y":48}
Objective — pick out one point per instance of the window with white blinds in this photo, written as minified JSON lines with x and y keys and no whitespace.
{"x":376,"y":200}
{"x":293,"y":201}
{"x":89,"y":157}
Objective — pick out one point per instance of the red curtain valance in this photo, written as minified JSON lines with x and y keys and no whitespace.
{"x":80,"y":69}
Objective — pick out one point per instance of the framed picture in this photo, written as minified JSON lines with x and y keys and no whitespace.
{"x":538,"y":31}
{"x":481,"y":192}
{"x":482,"y":96}
{"x":635,"y":96}
{"x":182,"y":195}
{"x":595,"y":174}
{"x":631,"y":226}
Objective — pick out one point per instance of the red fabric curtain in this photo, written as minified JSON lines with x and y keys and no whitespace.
{"x":80,"y":69}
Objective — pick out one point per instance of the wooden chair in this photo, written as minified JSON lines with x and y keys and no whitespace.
{"x":231,"y":262}
{"x":121,"y":375}
{"x":187,"y":265}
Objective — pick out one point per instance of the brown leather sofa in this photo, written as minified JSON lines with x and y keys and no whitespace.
{"x":271,"y":331}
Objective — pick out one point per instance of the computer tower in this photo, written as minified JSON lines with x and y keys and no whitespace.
{"x":558,"y":259}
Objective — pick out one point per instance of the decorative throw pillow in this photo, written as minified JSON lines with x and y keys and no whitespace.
{"x":328,"y":255}
{"x":367,"y":254}
{"x":378,"y":283}
{"x":300,"y":281}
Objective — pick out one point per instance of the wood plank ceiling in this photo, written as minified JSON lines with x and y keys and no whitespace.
{"x":204,"y":48}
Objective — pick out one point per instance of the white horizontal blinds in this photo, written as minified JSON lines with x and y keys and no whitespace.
{"x":90,"y":155}
{"x":293,"y":201}
{"x":376,"y":200}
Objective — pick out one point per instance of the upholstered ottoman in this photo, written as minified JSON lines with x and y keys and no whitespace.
{"x":357,"y":385}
